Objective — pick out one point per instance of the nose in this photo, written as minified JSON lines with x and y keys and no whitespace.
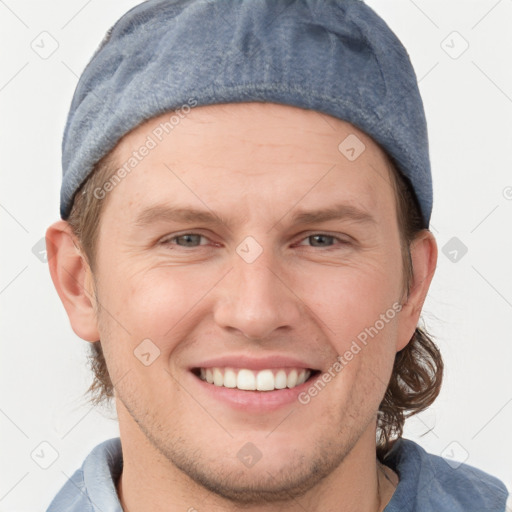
{"x":257,"y":298}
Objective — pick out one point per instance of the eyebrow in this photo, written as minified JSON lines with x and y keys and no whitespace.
{"x":166,"y":213}
{"x":336,"y":212}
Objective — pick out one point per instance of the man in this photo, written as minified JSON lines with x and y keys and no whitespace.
{"x":244,"y":241}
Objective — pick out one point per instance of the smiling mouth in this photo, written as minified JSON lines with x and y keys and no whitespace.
{"x":251,"y":380}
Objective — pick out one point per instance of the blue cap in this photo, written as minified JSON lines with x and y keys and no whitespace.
{"x":334,"y":56}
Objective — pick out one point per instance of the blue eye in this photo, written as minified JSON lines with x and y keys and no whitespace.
{"x":324,"y":240}
{"x":317,"y":240}
{"x":190,"y":240}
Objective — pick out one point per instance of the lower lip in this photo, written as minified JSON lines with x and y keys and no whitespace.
{"x":254,"y":401}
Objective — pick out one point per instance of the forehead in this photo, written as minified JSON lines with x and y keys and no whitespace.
{"x":282,"y":152}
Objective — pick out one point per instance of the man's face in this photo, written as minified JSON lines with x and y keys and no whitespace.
{"x":256,"y":289}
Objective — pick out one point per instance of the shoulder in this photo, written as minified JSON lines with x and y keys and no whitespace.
{"x":92,"y":487}
{"x":431,"y":483}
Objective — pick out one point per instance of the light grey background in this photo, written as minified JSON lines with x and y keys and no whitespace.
{"x":468,"y":102}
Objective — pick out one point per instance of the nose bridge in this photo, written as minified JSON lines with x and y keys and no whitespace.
{"x":256,"y":299}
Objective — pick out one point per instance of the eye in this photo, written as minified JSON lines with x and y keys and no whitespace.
{"x":192,"y":240}
{"x":185,"y":240}
{"x":323,"y":240}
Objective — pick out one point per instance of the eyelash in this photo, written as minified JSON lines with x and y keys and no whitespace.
{"x":340,"y":240}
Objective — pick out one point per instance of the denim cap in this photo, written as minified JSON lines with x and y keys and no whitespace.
{"x":337,"y":57}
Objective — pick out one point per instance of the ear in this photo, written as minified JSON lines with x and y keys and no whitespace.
{"x":72,"y":279}
{"x":424,"y":261}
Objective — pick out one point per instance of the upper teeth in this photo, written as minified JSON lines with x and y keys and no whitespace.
{"x":263,"y":380}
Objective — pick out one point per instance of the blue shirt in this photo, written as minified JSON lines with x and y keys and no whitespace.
{"x":428,"y":483}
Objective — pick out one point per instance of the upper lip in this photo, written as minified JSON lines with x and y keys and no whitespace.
{"x":253,"y":363}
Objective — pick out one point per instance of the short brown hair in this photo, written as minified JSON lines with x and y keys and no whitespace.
{"x":418,"y":368}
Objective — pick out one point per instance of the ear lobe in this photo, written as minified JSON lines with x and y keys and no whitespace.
{"x":72,"y":279}
{"x":424,"y":261}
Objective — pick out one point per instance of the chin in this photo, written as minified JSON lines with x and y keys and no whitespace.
{"x":246,"y":475}
{"x":262,"y":483}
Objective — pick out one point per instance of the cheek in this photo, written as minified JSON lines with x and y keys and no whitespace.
{"x":350,"y":299}
{"x":141,"y":324}
{"x":160,"y":304}
{"x":359,"y":309}
{"x":155,"y":302}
